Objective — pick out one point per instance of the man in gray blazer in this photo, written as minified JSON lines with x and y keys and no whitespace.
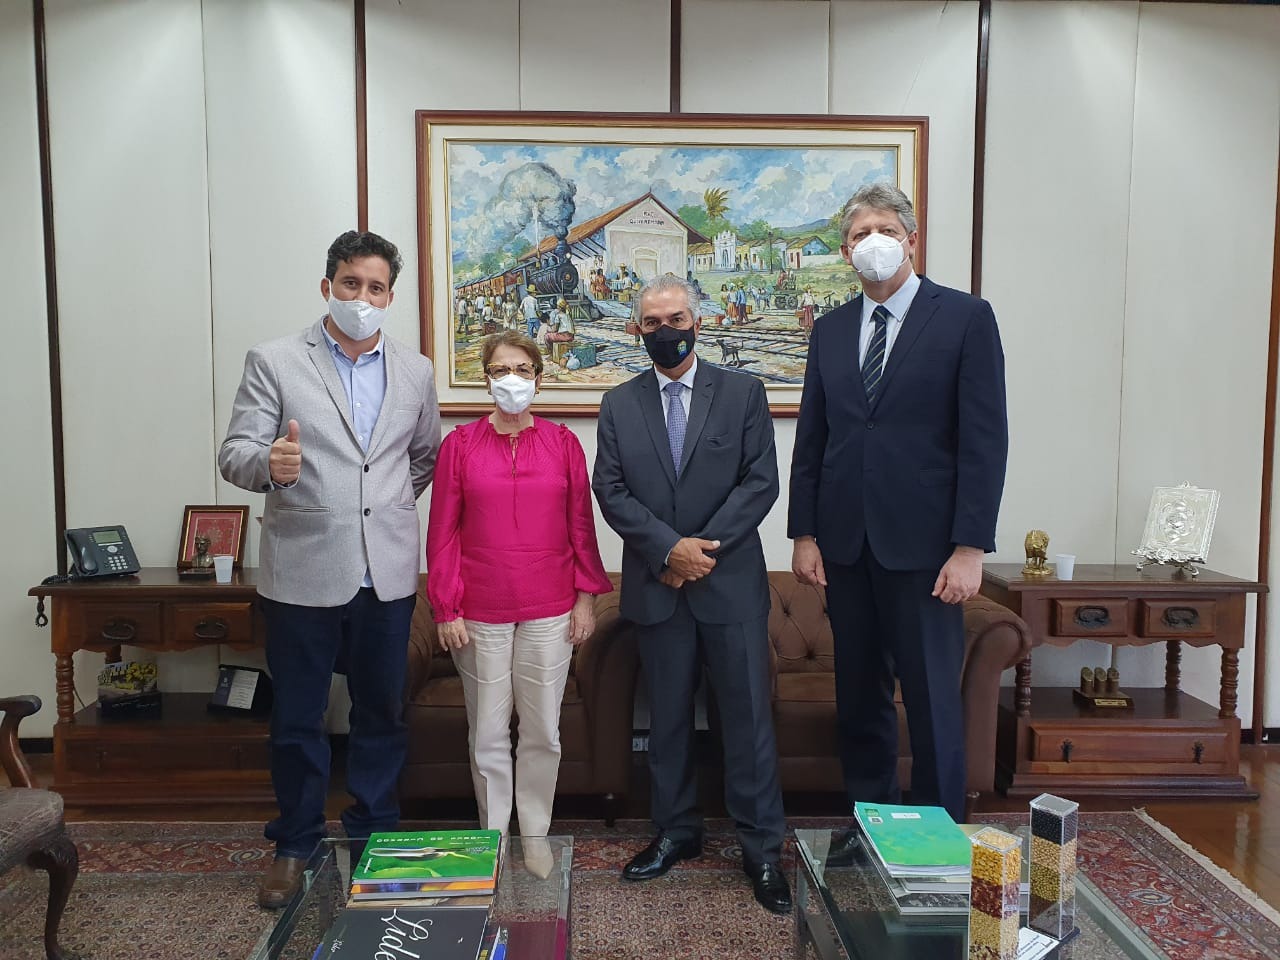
{"x":338,"y":425}
{"x":685,"y":472}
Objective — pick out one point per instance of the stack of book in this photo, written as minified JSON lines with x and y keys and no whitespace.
{"x":923,"y":857}
{"x":424,"y":893}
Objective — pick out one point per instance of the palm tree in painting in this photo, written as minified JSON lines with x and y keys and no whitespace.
{"x":716,"y":200}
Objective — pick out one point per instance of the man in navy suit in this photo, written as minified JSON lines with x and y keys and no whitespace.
{"x":896,"y":481}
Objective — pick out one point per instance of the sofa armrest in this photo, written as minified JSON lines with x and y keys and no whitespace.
{"x":606,"y":668}
{"x":422,"y":647}
{"x":11,"y":758}
{"x":995,"y":639}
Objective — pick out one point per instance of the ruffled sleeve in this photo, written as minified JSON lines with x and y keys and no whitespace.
{"x":588,"y":569}
{"x":444,"y":532}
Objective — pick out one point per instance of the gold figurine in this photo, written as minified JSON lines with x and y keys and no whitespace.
{"x":1037,"y":545}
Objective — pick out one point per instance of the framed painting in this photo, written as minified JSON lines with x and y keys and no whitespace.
{"x":211,"y":531}
{"x":549,"y":223}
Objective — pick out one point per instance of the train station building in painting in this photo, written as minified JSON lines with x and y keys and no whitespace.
{"x":643,"y":235}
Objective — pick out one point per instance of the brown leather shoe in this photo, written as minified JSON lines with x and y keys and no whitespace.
{"x":280,"y":882}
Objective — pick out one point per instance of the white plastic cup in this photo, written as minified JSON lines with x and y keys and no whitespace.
{"x":222,"y":567}
{"x":1064,"y":563}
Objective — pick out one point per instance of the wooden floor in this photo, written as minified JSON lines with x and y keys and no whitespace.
{"x":1241,"y":837}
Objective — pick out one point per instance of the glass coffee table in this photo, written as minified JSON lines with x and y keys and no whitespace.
{"x":532,"y":901}
{"x":846,"y":913}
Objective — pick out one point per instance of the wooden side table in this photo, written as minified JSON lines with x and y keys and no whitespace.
{"x":1170,"y":744}
{"x":184,"y":754}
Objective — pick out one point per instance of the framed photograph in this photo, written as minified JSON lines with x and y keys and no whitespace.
{"x":1179,"y":525}
{"x":210,"y":531}
{"x":549,"y":223}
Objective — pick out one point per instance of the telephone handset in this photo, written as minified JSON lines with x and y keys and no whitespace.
{"x":100,"y":552}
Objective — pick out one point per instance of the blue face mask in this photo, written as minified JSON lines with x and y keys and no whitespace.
{"x":668,"y":347}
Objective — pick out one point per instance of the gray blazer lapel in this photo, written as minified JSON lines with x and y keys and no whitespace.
{"x":323,"y":360}
{"x":391,"y":364}
{"x":923,"y":307}
{"x":651,"y":408}
{"x":704,"y":388}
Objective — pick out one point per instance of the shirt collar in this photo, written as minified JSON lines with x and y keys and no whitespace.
{"x":898,"y":304}
{"x":341,"y":354}
{"x":686,"y":378}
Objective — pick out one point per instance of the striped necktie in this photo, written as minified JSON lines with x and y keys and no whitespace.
{"x":873,"y":364}
{"x":676,"y":422}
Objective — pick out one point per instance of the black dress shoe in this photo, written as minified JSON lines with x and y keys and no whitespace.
{"x":770,"y":886}
{"x":844,"y":848}
{"x":661,"y":855}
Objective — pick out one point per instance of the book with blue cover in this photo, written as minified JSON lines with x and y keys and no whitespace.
{"x":914,"y":841}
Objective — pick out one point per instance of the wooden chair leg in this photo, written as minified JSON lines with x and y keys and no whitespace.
{"x":611,"y":805}
{"x":61,"y":861}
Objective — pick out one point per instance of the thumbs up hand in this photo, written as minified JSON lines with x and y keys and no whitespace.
{"x":286,"y":457}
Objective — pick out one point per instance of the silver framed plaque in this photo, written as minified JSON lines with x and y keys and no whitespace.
{"x":1179,"y":526}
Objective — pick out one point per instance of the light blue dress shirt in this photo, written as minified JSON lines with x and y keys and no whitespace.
{"x":365,"y":381}
{"x":897,"y":305}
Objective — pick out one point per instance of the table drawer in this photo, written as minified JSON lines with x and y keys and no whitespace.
{"x":1177,"y":618}
{"x":105,"y":625}
{"x":197,"y":624}
{"x":1122,"y":745}
{"x":149,"y":759}
{"x":1090,"y":617}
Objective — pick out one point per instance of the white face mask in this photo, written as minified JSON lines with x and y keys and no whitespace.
{"x":877,"y":256}
{"x":512,"y":393}
{"x":358,"y":319}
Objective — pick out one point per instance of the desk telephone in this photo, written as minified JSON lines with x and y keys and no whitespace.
{"x":100,"y":552}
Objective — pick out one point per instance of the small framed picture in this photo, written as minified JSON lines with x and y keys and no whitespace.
{"x":211,"y":531}
{"x":1179,"y":525}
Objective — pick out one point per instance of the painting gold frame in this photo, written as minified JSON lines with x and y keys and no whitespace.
{"x":784,"y":179}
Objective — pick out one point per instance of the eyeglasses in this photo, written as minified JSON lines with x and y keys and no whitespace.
{"x":650,"y":324}
{"x":524,"y":371}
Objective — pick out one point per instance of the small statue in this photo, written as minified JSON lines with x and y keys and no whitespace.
{"x":202,"y":558}
{"x":1037,"y":546}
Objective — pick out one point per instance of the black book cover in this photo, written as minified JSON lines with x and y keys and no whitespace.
{"x":428,"y":933}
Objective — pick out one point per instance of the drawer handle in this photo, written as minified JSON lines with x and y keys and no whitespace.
{"x":1091,"y":618}
{"x":212,"y":629}
{"x":119,"y":631}
{"x":1198,"y":747}
{"x":1181,"y":618}
{"x":1067,"y":747}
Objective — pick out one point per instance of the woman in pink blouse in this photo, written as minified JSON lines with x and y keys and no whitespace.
{"x":512,"y":570}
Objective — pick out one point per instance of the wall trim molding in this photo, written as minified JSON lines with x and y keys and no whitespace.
{"x":362,"y":120}
{"x":677,"y":33}
{"x":980,"y":145}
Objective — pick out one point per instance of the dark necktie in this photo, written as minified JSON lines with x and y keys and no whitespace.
{"x":676,"y":422}
{"x":873,"y":364}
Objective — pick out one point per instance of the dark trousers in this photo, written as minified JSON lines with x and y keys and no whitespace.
{"x":736,"y":657}
{"x":368,"y":639}
{"x":885,"y":623}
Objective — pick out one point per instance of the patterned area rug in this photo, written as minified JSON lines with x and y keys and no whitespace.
{"x":173,"y":891}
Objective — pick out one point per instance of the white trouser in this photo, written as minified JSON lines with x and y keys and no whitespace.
{"x":529,"y":660}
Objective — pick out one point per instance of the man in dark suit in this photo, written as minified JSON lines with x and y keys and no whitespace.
{"x":685,"y":472}
{"x":896,"y":480}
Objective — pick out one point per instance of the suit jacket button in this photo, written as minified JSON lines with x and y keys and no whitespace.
{"x":367,"y":511}
{"x":366,"y":468}
{"x":266,"y":487}
{"x":871,"y":424}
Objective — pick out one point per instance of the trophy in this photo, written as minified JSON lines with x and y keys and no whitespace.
{"x":1037,"y":545}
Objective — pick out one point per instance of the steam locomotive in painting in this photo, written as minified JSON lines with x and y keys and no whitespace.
{"x":550,"y":276}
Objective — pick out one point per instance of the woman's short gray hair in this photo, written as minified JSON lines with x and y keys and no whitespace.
{"x":662,"y":283}
{"x":879,"y":196}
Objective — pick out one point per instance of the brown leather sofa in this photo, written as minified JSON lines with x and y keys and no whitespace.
{"x":804,"y":708}
{"x":595,"y":716}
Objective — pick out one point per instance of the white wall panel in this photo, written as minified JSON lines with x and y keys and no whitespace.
{"x":1199,"y":287}
{"x":280,"y":98}
{"x":609,"y":55}
{"x":126,"y":116}
{"x":928,"y":70}
{"x":26,"y":470}
{"x":1059,"y":116}
{"x":754,"y":56}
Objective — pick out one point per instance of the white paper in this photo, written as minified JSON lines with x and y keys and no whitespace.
{"x":1032,"y":944}
{"x":243,"y":683}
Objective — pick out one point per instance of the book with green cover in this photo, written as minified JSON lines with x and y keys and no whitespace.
{"x":457,"y":859}
{"x":914,"y":841}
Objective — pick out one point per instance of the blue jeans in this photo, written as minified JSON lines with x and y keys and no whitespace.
{"x":367,"y":639}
